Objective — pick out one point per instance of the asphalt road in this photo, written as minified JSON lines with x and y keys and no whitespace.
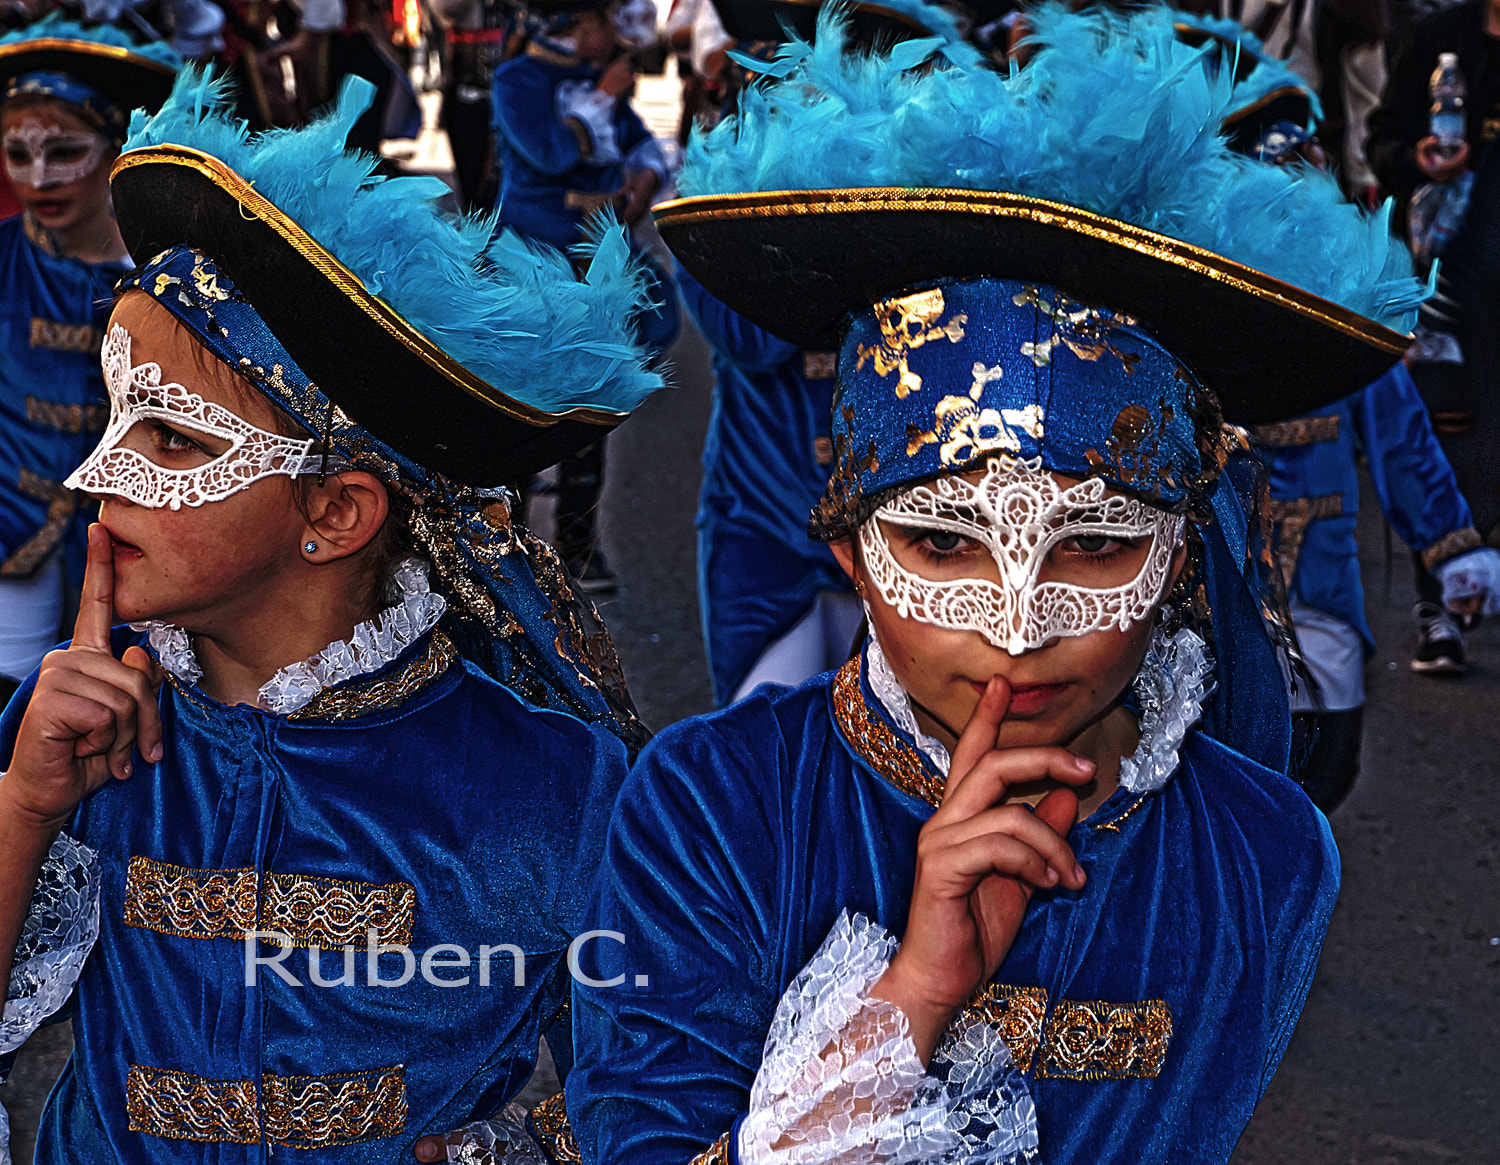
{"x":1397,"y":1057}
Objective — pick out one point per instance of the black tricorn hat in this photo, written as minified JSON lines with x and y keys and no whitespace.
{"x":129,"y":77}
{"x":870,"y":23}
{"x":800,"y":263}
{"x":391,"y":378}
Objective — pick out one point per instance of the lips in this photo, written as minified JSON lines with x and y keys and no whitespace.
{"x":1028,"y":698}
{"x":123,"y":549}
{"x":49,"y":207}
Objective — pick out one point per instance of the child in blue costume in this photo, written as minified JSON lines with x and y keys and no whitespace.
{"x":65,"y":93}
{"x":1314,"y":477}
{"x":1042,"y":287}
{"x":366,"y":725}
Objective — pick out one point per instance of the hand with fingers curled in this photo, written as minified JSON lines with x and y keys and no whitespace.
{"x":90,"y":712}
{"x":978,"y":862}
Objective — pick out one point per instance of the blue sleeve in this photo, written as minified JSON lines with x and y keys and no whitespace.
{"x":666,"y":1058}
{"x":729,"y":334}
{"x":1412,"y":476}
{"x":630,"y":130}
{"x":522,"y":116}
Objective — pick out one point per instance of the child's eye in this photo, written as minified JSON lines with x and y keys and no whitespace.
{"x":944,"y":540}
{"x":1098,"y":547}
{"x":66,"y":155}
{"x":939,"y":544}
{"x":169,"y":440}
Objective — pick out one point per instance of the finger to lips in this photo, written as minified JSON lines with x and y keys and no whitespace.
{"x":980,"y":734}
{"x":96,"y":609}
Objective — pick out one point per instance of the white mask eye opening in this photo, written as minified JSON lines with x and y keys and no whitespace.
{"x":1019,"y":513}
{"x":43,"y":157}
{"x":137,"y":394}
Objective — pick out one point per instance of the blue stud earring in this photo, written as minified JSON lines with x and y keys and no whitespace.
{"x":309,"y":548}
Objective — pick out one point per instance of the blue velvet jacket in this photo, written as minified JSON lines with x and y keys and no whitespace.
{"x":766,"y":461}
{"x":423,"y":804}
{"x":52,"y":398}
{"x":547,"y":184}
{"x":1148,"y":1011}
{"x":1315,"y":492}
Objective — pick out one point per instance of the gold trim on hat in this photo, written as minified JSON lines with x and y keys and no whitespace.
{"x":85,"y":48}
{"x":1239,"y":115}
{"x":1000,"y":204}
{"x":253,"y":204}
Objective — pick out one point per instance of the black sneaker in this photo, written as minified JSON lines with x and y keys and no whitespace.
{"x":1440,"y":644}
{"x":592,"y":574}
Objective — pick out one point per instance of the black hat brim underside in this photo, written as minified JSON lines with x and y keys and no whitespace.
{"x":365,"y":357}
{"x":800,"y":263}
{"x":130,"y":81}
{"x":773,"y":21}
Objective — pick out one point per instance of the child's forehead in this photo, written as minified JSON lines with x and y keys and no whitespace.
{"x":158,"y":337}
{"x":49,"y":112}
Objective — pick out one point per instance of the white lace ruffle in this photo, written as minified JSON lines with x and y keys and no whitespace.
{"x":840,"y":1079}
{"x":595,"y":111}
{"x":502,"y":1140}
{"x":1174,"y":680}
{"x":59,"y":931}
{"x":375,"y":643}
{"x":897,"y":703}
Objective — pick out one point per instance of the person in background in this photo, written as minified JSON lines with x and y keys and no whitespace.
{"x":65,"y":95}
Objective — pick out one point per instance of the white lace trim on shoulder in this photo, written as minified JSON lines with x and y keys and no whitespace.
{"x":375,"y":643}
{"x":840,"y":1080}
{"x":56,"y":938}
{"x":1174,"y":680}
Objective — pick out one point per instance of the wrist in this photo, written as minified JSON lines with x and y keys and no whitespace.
{"x":927,"y":1017}
{"x":24,"y":817}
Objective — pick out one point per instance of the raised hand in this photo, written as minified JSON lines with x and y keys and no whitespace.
{"x":89,"y":712}
{"x":978,"y":862}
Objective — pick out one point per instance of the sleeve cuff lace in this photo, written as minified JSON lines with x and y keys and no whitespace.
{"x":501,"y":1140}
{"x":595,"y":111}
{"x":840,"y":1079}
{"x":55,"y":940}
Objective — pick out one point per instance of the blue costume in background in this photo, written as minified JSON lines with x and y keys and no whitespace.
{"x":52,"y":400}
{"x":765,"y":462}
{"x":724,"y":888}
{"x":424,"y":802}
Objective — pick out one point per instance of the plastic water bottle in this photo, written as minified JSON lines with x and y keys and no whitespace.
{"x":1447,"y":91}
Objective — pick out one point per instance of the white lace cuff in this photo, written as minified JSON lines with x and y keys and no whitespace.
{"x":4,"y":1136}
{"x":840,"y":1079}
{"x":593,"y":110}
{"x":1476,"y":572}
{"x":502,"y":1140}
{"x":55,"y":940}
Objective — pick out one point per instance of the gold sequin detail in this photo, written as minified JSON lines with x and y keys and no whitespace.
{"x":62,"y":503}
{"x":226,"y":904}
{"x":877,"y":744}
{"x":550,"y":1119}
{"x":351,"y":701}
{"x":1302,"y":431}
{"x":1106,"y":1041}
{"x":907,"y":323}
{"x":1016,"y":1013}
{"x":1451,"y":545}
{"x":51,"y":336}
{"x":67,"y":418}
{"x":313,"y":1112}
{"x":715,"y":1154}
{"x":301,"y":1112}
{"x":1291,"y":520}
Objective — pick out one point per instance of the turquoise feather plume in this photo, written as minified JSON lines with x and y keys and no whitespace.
{"x":1113,"y":114}
{"x":1268,"y":74}
{"x":57,"y":27}
{"x":511,"y":312}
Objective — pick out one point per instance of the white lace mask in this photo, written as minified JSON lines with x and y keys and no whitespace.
{"x":1023,"y":528}
{"x":43,"y":156}
{"x":150,"y":420}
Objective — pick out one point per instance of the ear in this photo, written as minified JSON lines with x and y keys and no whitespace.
{"x":844,"y":551}
{"x":345,"y":513}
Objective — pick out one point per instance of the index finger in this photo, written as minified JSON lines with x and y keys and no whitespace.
{"x":980,"y":734}
{"x":96,"y":609}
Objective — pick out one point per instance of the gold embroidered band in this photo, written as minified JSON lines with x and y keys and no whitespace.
{"x":550,"y":1120}
{"x":1292,"y":518}
{"x":1016,"y":1013}
{"x":352,"y":701}
{"x":877,"y":744}
{"x":1451,"y":546}
{"x":61,"y":504}
{"x":52,"y":336}
{"x":715,"y":1154}
{"x":301,"y":1112}
{"x":67,"y":418}
{"x":226,"y":904}
{"x":1302,"y":431}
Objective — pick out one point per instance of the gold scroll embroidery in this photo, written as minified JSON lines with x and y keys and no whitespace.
{"x":301,"y":1112}
{"x":51,"y":336}
{"x":906,"y":323}
{"x":1016,"y":1013}
{"x":1450,"y":546}
{"x":351,"y":701}
{"x":61,"y":504}
{"x":550,"y":1119}
{"x":1106,"y":1041}
{"x":715,"y":1154}
{"x":1292,"y":518}
{"x":875,"y":742}
{"x":1302,"y":431}
{"x":67,"y":418}
{"x":226,"y":904}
